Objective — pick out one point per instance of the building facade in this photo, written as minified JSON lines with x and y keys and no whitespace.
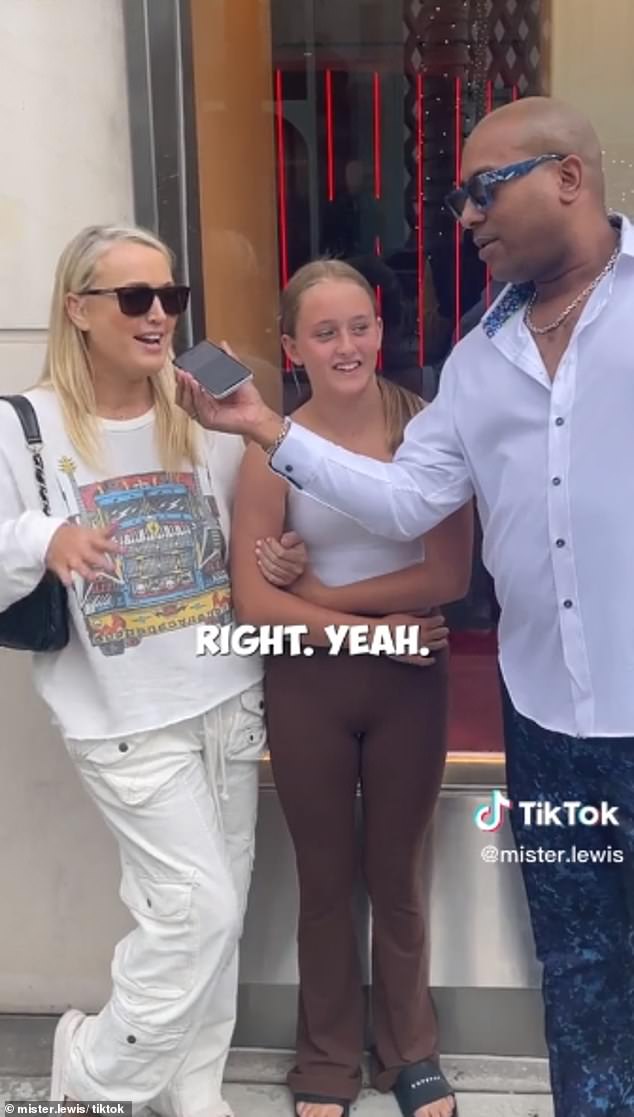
{"x":255,"y":135}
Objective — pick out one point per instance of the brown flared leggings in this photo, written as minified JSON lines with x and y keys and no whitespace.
{"x":335,"y":722}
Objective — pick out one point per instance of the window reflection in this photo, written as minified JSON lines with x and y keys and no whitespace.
{"x":373,"y":103}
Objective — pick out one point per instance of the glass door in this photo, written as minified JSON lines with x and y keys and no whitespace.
{"x":373,"y":100}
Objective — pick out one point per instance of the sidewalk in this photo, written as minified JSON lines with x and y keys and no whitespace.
{"x":487,"y":1087}
{"x":274,"y":1101}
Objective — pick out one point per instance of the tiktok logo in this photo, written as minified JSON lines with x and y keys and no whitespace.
{"x":490,"y":816}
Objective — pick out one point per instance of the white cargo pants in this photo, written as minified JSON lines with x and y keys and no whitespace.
{"x":181,"y":803}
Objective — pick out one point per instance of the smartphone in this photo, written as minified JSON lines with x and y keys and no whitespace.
{"x":216,"y":372}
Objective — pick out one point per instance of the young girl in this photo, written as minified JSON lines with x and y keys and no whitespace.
{"x":336,"y":721}
{"x":166,"y":744}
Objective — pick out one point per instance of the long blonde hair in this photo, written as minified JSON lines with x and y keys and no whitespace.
{"x":67,"y":369}
{"x":399,"y":404}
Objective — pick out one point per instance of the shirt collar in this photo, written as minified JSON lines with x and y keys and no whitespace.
{"x":627,"y":233}
{"x":516,"y":295}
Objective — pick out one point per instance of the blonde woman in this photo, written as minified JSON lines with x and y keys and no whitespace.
{"x":166,"y":743}
{"x":336,"y":721}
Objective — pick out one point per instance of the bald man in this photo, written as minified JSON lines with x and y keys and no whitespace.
{"x":535,"y":417}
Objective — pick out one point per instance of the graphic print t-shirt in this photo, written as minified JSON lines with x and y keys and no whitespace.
{"x":131,"y":664}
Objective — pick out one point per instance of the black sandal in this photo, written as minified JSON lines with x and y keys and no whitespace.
{"x":321,"y":1099}
{"x":421,"y":1084}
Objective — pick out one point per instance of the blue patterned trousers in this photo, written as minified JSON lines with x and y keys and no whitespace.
{"x":582,"y":911}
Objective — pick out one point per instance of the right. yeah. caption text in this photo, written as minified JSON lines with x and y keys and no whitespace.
{"x":289,"y":639}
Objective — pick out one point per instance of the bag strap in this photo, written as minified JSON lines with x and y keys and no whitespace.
{"x":28,"y":420}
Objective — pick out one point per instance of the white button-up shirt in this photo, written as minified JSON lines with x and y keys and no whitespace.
{"x":551,"y":464}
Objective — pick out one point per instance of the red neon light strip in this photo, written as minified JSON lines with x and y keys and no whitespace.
{"x":378,"y":186}
{"x":489,"y":108}
{"x":330,"y":136}
{"x":458,"y":142}
{"x":420,"y":197}
{"x":516,"y":93}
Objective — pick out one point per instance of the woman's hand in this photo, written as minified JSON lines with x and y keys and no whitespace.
{"x":81,"y":550}
{"x":433,"y":631}
{"x":282,"y":562}
{"x":432,"y":634}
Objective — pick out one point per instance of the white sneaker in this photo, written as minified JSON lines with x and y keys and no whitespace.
{"x":64,"y":1032}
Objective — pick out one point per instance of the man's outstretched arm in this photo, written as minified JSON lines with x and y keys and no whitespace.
{"x":403,"y":499}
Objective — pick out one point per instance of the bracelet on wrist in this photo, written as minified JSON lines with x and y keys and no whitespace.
{"x":271,"y":450}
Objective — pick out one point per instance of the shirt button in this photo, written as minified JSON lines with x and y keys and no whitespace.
{"x":556,"y":480}
{"x":288,"y":468}
{"x":561,"y":542}
{"x":123,"y":747}
{"x":130,"y":1039}
{"x":567,"y":603}
{"x":559,"y":422}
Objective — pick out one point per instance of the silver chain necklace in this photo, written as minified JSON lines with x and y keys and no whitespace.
{"x":539,"y":330}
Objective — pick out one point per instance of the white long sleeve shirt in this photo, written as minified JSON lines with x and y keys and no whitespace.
{"x":552,"y":466}
{"x":130,"y":665}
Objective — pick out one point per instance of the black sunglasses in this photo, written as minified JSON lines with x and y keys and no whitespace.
{"x":136,"y":301}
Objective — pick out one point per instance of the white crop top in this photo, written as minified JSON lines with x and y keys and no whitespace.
{"x":341,"y":551}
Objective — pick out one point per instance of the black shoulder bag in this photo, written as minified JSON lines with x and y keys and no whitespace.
{"x":38,"y":622}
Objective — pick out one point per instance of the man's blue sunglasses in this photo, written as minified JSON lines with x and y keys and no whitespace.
{"x":480,"y":189}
